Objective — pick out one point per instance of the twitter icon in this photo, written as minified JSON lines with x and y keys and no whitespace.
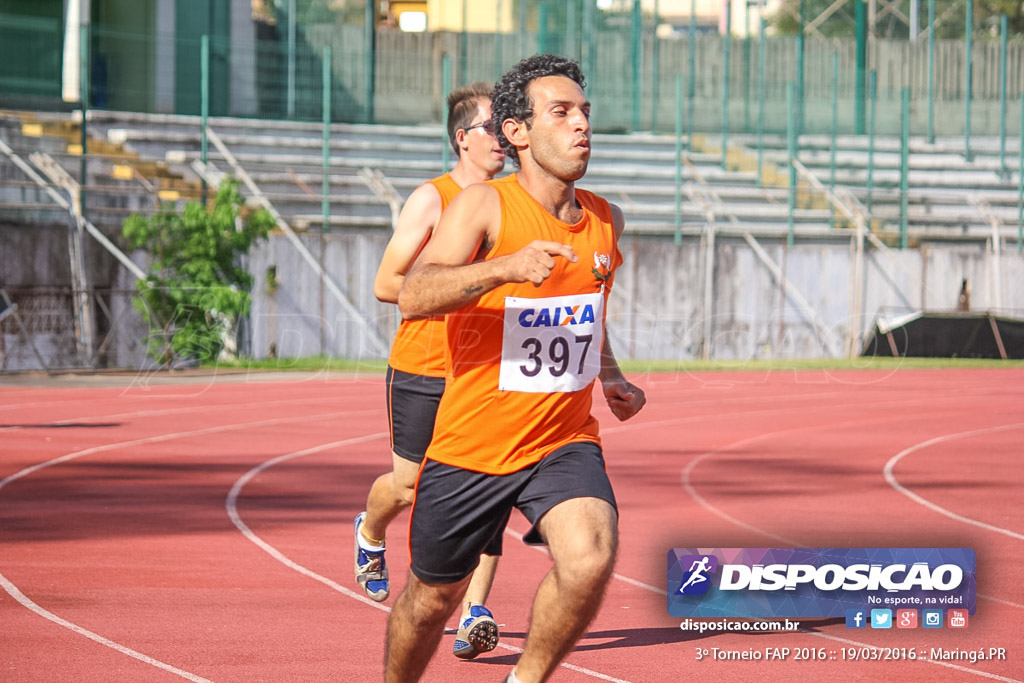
{"x":881,"y":618}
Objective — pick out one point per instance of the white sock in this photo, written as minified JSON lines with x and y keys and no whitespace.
{"x":512,"y":678}
{"x":364,"y":544}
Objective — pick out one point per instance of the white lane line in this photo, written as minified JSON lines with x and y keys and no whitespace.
{"x":1001,"y":602}
{"x":662,"y":591}
{"x":26,"y":602}
{"x":232,"y":507}
{"x":38,"y":404}
{"x":231,"y":504}
{"x":796,"y":544}
{"x":889,"y":477}
{"x":692,"y":491}
{"x":170,"y":411}
{"x":29,"y":604}
{"x":166,"y":437}
{"x":615,"y":575}
{"x":76,"y":401}
{"x":757,"y":437}
{"x":642,"y":424}
{"x":693,"y":463}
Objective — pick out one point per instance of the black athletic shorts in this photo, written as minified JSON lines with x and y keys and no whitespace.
{"x":458,"y":512}
{"x":412,"y":407}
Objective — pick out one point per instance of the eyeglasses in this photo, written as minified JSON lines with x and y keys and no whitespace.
{"x":487,"y":125}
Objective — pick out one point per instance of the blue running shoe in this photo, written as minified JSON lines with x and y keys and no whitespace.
{"x":477,"y":633}
{"x":371,"y":570}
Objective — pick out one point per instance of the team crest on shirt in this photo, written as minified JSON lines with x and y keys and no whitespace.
{"x":602,"y":265}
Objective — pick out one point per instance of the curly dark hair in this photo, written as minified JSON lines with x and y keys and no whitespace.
{"x":510,"y":101}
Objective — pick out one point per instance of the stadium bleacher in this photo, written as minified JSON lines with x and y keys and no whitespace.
{"x":138,"y":160}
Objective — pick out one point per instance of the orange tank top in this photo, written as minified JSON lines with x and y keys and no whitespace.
{"x":524,"y":358}
{"x":418,"y":347}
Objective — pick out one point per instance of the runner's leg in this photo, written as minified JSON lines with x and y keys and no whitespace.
{"x":581,"y":534}
{"x":389,"y":495}
{"x":416,"y":625}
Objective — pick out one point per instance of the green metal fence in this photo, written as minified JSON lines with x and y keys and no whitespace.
{"x":732,"y":85}
{"x":30,"y":58}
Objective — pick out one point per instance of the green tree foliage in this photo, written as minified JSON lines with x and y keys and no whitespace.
{"x":195,"y":289}
{"x":950,"y":18}
{"x":1013,"y":9}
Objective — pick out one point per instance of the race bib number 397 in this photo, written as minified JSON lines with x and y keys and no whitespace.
{"x":551,"y":344}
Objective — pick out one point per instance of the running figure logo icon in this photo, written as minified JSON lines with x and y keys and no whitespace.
{"x":695,"y":580}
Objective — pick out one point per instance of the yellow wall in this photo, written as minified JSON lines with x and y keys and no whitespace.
{"x":411,"y":6}
{"x":483,"y":15}
{"x":712,"y":10}
{"x":705,"y":8}
{"x":446,"y":15}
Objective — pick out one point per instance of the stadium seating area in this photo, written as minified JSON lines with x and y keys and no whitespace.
{"x":139,"y":160}
{"x":120,"y":181}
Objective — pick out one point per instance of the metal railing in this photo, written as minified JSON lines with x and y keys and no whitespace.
{"x":734,"y":85}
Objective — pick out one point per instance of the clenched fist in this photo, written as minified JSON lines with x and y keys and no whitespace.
{"x":534,"y":262}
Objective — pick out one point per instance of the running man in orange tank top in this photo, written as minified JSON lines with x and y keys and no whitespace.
{"x":522,"y":266}
{"x":416,"y":367}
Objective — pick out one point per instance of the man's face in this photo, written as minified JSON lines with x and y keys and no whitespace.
{"x":478,"y":143}
{"x":559,"y":134}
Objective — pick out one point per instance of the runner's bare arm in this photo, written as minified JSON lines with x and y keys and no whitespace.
{"x":450,"y":271}
{"x":420,"y":214}
{"x":618,"y":220}
{"x":625,"y":399}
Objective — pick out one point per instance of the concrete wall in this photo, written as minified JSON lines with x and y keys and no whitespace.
{"x":243,"y":60}
{"x":35,"y":270}
{"x":656,"y":311}
{"x":164,"y":64}
{"x":298,"y":317}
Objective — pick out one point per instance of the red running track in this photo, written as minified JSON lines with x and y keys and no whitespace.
{"x":200,"y":529}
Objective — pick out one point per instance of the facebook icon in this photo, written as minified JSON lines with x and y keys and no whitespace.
{"x":856,"y":618}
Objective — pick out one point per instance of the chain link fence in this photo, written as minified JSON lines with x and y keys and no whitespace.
{"x":273,"y":69}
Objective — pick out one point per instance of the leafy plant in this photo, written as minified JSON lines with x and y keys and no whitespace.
{"x":196,"y":289}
